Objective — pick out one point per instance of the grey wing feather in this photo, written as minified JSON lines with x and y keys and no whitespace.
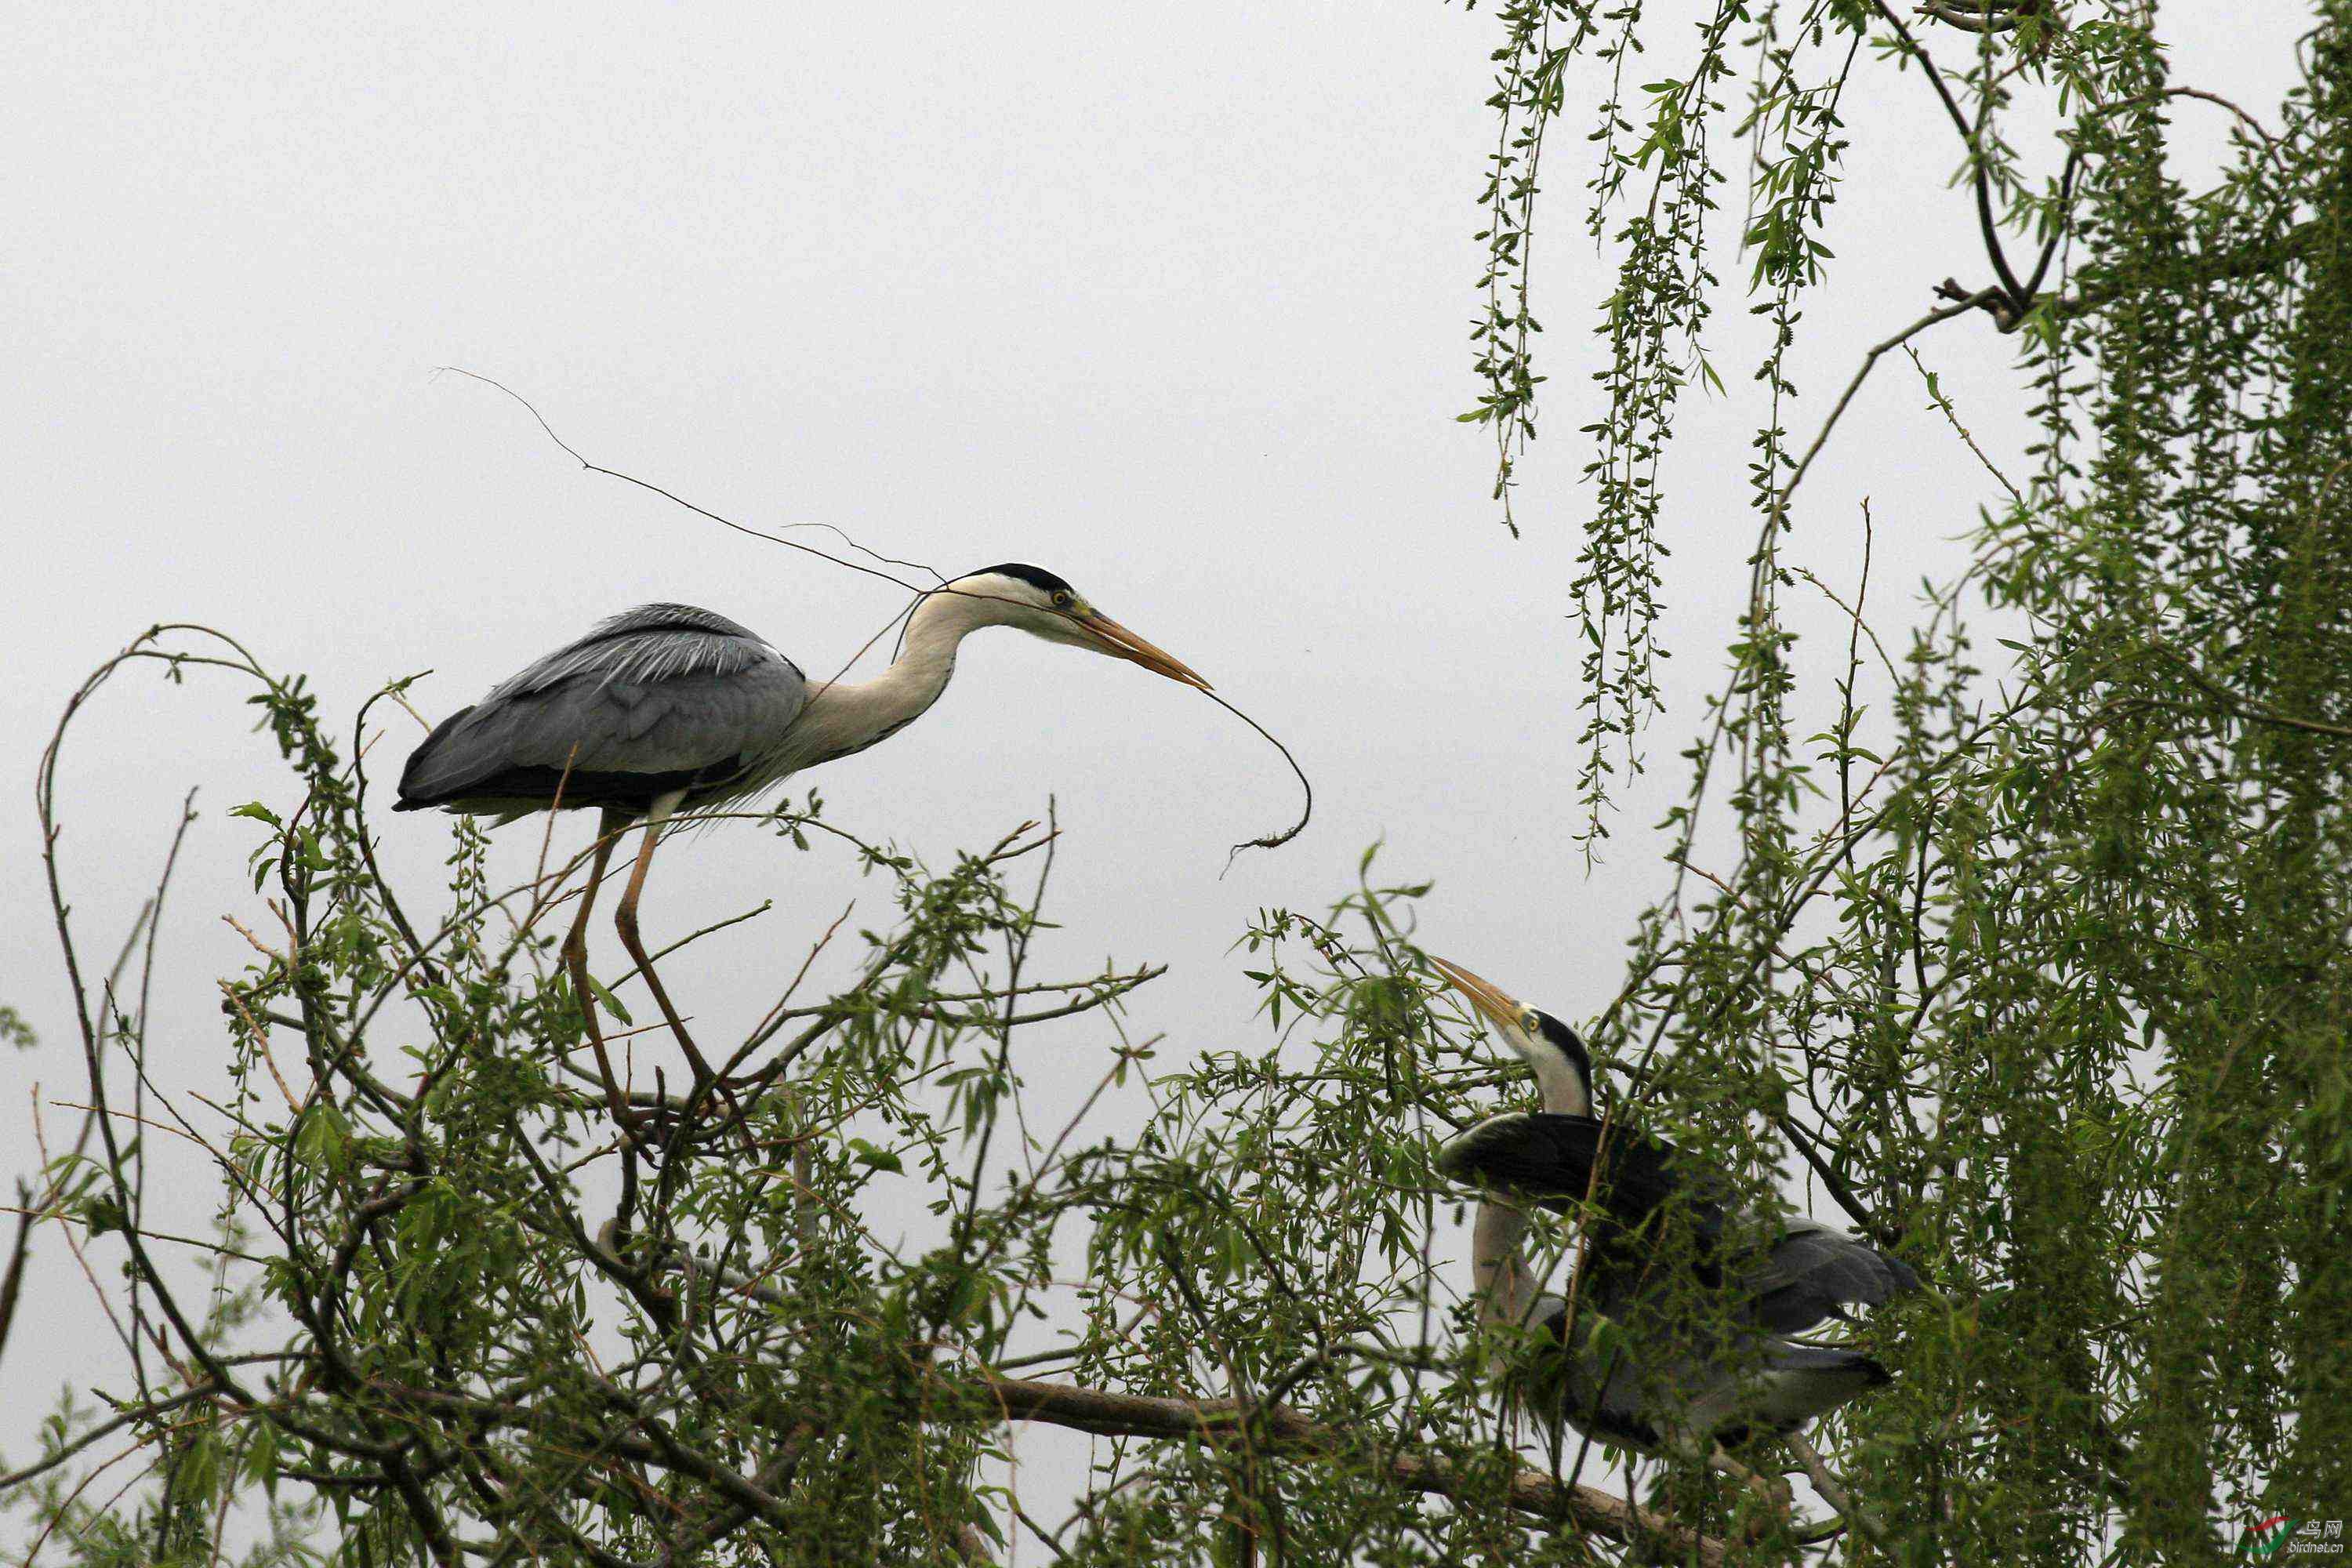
{"x":667,"y":695}
{"x":650,"y":643}
{"x":1791,"y":1272}
{"x":1814,"y":1271}
{"x":660,"y":727}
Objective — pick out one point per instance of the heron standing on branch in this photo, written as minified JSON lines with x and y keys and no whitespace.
{"x":666,"y":708}
{"x":1670,"y":1378}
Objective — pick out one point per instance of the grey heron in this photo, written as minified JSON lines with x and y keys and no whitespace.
{"x":668,"y":708}
{"x":1668,"y":1379}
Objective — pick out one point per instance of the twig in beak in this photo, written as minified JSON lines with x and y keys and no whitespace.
{"x":1272,"y":840}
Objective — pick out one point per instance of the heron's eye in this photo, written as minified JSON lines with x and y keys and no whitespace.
{"x":1062,"y":599}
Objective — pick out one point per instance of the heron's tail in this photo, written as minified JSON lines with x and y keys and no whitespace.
{"x":1802,"y":1381}
{"x":432,"y":777}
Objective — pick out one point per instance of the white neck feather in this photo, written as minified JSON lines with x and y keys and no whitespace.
{"x":1563,"y":1090}
{"x":1506,"y":1289}
{"x":842,"y":717}
{"x":1561,"y":1086}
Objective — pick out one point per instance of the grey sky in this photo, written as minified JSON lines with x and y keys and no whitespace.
{"x":1173,"y":302}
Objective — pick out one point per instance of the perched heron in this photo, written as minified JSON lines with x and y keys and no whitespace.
{"x":666,"y":708}
{"x":1701,"y":1362}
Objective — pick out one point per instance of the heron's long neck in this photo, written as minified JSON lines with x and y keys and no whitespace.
{"x":842,"y":718}
{"x":1562,"y":1087}
{"x":1506,"y":1289}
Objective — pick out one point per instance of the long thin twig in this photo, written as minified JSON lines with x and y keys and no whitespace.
{"x":1972,"y":138}
{"x":1778,"y":511}
{"x":677,"y":500}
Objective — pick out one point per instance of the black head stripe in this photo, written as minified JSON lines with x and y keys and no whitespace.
{"x":1564,"y":1039}
{"x":1035,"y":576}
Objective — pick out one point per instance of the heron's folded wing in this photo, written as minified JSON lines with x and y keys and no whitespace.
{"x":1557,"y":1160}
{"x":685,"y":723}
{"x":650,"y":644}
{"x":665,"y":695}
{"x":1813,"y":1272}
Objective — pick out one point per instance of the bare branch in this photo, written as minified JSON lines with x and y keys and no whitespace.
{"x":1291,"y":1435}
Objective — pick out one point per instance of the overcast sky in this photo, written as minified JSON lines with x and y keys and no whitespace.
{"x":1172,"y":301}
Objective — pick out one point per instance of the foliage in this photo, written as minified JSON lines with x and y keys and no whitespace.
{"x":466,"y":1305}
{"x":2047,"y":977}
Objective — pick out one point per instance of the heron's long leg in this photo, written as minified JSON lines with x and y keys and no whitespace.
{"x":609,"y":827}
{"x":627,"y":920}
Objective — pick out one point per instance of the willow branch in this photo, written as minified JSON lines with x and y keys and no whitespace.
{"x":1834,"y":1493}
{"x":1287,"y":1434}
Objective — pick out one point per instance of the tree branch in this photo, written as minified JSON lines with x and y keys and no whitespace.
{"x":1291,"y":1435}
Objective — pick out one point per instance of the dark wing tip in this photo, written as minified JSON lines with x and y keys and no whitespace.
{"x":1836,"y":1361}
{"x":419,"y":789}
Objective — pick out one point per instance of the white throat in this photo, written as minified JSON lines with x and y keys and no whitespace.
{"x":1564,"y":1089}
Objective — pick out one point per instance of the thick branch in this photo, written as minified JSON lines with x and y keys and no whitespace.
{"x":1286,"y":1432}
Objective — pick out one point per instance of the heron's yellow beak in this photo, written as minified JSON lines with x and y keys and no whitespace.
{"x":1499,"y":1009}
{"x":1116,"y":640}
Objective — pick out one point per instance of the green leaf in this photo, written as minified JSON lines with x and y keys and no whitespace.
{"x":611,"y":1003}
{"x":323,"y":1143}
{"x":874,"y":1158}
